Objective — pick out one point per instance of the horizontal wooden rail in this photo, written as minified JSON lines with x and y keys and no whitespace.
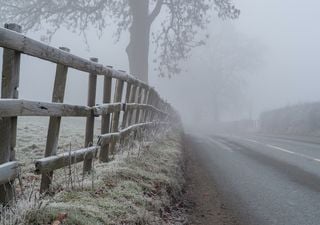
{"x":8,"y":171}
{"x":131,"y":106}
{"x":108,"y":108}
{"x":21,"y":43}
{"x":127,"y":130}
{"x":14,"y":107}
{"x":51,"y":163}
{"x":20,"y":107}
{"x":107,"y":138}
{"x":142,"y":107}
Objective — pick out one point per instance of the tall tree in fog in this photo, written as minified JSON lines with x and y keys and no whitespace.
{"x":222,"y":68}
{"x":180,"y":21}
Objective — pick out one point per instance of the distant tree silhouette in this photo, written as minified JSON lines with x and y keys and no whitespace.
{"x":180,"y":21}
{"x":223,"y":66}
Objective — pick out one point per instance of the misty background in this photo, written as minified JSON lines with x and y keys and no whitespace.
{"x":271,"y":54}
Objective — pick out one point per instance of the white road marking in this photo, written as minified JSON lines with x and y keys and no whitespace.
{"x":251,"y":140}
{"x":284,"y":150}
{"x":223,"y":146}
{"x":280,"y":149}
{"x":294,"y":153}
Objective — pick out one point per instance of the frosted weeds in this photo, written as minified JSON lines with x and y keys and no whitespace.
{"x":131,"y":189}
{"x":17,"y":213}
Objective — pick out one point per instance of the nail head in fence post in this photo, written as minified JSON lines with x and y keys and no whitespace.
{"x":8,"y":126}
{"x":92,"y":89}
{"x":55,"y":121}
{"x":105,"y":119}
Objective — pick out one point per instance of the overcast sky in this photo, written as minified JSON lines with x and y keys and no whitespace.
{"x":287,"y":29}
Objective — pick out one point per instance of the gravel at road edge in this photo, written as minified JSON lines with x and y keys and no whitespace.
{"x":205,"y":206}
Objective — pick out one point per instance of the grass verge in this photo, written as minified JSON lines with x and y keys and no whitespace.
{"x":138,"y":187}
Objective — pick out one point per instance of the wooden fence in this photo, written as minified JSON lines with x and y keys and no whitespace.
{"x":142,"y":108}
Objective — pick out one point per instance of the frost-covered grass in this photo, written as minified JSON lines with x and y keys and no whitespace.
{"x":31,"y":142}
{"x":135,"y":188}
{"x":32,"y":136}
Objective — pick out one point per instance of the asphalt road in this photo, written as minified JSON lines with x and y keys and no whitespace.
{"x":264,"y":180}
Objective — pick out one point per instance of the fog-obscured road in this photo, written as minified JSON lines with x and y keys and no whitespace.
{"x":264,"y":180}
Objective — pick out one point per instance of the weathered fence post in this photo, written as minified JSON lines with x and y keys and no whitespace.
{"x":145,"y":101}
{"x":159,"y":106}
{"x":132,"y":100}
{"x":105,"y":119}
{"x":125,"y":114}
{"x":55,"y":121}
{"x":150,"y":98}
{"x":164,"y":109}
{"x":151,"y":101}
{"x":155,"y":104}
{"x":116,"y":115}
{"x":137,"y":92}
{"x":139,"y":100}
{"x":92,"y":89}
{"x":8,"y":126}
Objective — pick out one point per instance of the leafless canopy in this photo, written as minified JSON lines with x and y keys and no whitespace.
{"x":180,"y":21}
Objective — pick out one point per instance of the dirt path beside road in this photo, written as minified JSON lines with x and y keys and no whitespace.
{"x":206,"y":206}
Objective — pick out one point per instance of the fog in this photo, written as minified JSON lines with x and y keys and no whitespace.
{"x":273,"y":51}
{"x":289,"y":49}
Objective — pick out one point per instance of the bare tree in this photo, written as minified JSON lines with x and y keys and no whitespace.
{"x":181,"y":20}
{"x":232,"y":58}
{"x":221,"y":69}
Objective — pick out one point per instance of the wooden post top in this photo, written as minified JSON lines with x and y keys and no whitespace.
{"x":64,"y":49}
{"x":13,"y":26}
{"x":93,"y":59}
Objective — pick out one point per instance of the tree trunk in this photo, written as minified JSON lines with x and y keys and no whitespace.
{"x":138,"y":48}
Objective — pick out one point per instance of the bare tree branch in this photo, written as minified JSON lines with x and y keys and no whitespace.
{"x":173,"y":41}
{"x":156,"y":10}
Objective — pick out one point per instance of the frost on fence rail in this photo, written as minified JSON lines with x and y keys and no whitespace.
{"x":21,"y":43}
{"x":20,"y":107}
{"x":107,"y":138}
{"x":59,"y":161}
{"x":8,"y":171}
{"x":142,"y":108}
{"x":65,"y":159}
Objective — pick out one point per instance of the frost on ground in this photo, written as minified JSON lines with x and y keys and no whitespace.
{"x":137,"y":187}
